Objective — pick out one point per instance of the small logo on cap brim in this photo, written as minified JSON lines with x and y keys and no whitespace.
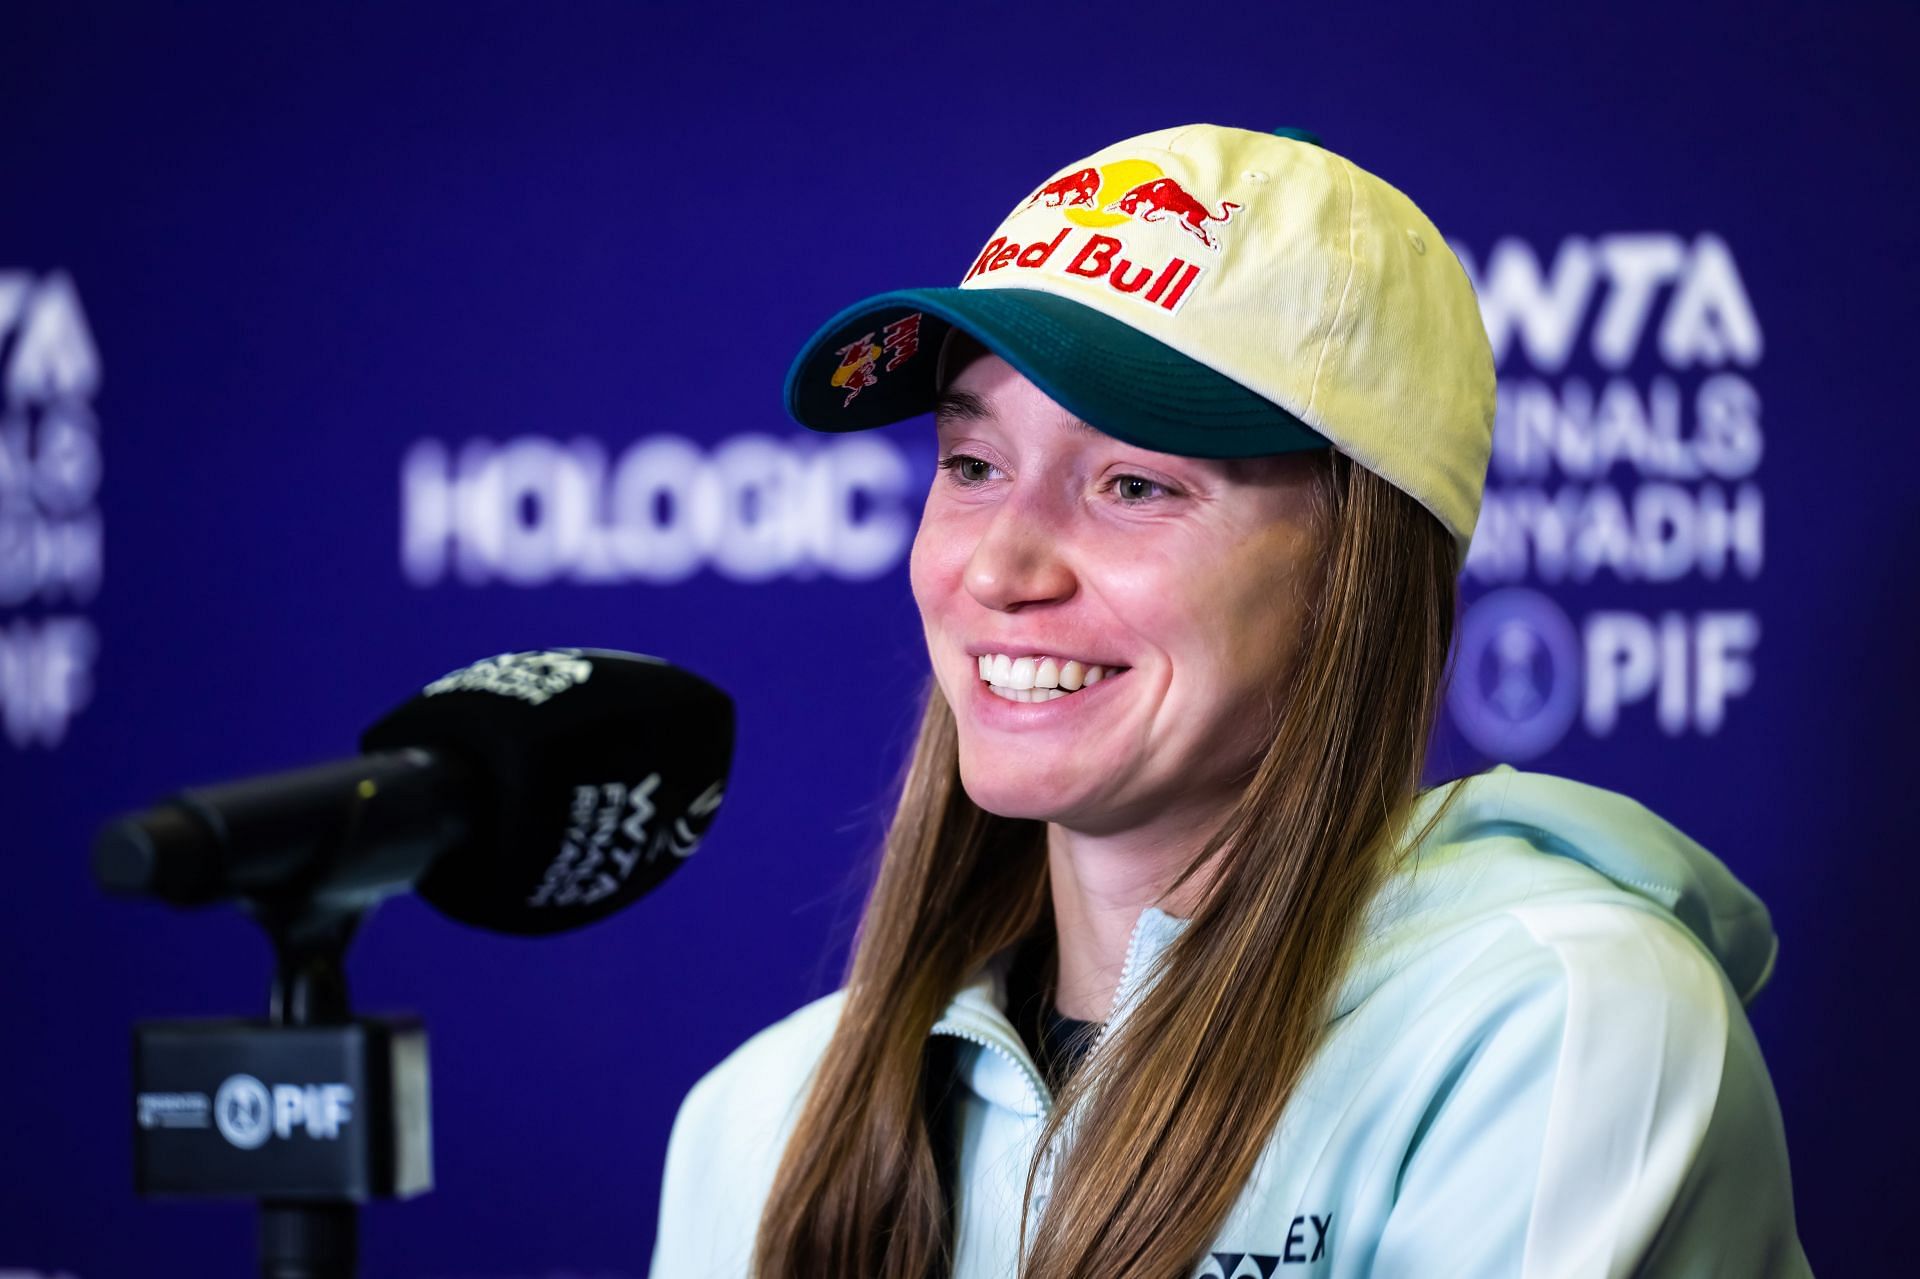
{"x":860,"y":367}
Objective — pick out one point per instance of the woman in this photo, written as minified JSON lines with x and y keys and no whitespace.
{"x":1171,"y":968}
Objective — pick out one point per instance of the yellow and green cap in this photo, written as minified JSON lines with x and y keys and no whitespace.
{"x":1210,"y":292}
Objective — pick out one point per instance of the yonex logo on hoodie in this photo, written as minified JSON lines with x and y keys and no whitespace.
{"x":1302,"y":1248}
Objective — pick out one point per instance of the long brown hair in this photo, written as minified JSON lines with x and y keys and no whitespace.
{"x":1166,"y":1127}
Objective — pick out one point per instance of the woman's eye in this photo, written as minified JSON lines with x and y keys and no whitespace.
{"x":1134,"y":489}
{"x":966,"y":470}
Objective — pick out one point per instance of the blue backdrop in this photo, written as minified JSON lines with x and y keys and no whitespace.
{"x":338,"y":351}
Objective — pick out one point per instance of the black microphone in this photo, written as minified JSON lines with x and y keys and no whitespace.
{"x":527,"y":793}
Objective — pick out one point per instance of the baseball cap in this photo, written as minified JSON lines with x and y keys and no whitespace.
{"x":1210,"y":292}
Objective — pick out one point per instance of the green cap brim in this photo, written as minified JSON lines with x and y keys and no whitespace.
{"x":1106,"y":373}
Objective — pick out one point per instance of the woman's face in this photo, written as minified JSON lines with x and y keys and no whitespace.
{"x":1185,"y":579}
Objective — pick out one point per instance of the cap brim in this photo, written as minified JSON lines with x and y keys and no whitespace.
{"x":873,"y":364}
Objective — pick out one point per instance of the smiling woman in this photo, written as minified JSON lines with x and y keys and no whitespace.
{"x":1181,"y":584}
{"x":1171,"y":966}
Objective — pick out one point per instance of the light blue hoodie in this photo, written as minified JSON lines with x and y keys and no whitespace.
{"x":1539,"y":1065}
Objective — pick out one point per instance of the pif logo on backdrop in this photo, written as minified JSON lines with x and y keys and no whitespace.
{"x":534,"y":510}
{"x":50,"y":525}
{"x":1626,"y":446}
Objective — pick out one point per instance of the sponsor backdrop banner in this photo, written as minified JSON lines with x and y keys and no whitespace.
{"x":337,"y":352}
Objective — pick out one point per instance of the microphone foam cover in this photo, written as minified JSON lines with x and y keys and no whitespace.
{"x":591,"y":775}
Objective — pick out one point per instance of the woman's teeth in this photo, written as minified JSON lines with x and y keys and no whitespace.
{"x":1039,"y":679}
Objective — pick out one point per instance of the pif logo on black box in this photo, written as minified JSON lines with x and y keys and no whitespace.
{"x":248,"y":1112}
{"x":235,"y":1107}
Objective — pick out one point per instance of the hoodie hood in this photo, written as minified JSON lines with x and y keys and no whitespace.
{"x":1510,"y":837}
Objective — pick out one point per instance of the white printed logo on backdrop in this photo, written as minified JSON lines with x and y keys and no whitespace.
{"x":534,"y":511}
{"x":50,"y":524}
{"x":1626,"y":449}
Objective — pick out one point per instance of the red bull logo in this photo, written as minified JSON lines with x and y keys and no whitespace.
{"x":857,"y":372}
{"x":1102,"y":199}
{"x":1150,"y":200}
{"x":859,"y":366}
{"x":1110,"y":194}
{"x":1082,"y":188}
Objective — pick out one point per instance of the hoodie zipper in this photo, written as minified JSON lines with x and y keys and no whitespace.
{"x":1120,"y":989}
{"x":1037,"y":1090}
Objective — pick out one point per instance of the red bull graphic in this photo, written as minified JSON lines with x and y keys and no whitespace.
{"x":1082,"y":188}
{"x":859,"y":366}
{"x":1119,"y":191}
{"x":1150,"y":200}
{"x":857,"y":372}
{"x":1105,"y":198}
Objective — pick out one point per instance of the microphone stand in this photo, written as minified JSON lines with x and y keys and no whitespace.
{"x":313,"y":1110}
{"x":308,"y":1239}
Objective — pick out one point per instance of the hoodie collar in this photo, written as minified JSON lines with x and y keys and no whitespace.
{"x":1003,"y":1071}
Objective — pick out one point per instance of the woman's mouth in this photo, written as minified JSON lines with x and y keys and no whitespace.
{"x":1040,"y":679}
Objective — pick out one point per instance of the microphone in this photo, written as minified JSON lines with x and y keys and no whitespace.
{"x":528,"y":793}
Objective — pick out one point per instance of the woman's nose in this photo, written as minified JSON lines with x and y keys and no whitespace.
{"x":1018,"y":562}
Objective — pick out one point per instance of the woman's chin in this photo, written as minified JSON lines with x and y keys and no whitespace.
{"x":1010,"y":795}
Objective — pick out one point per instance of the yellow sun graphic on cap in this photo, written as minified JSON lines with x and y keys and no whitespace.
{"x":1116,"y":180}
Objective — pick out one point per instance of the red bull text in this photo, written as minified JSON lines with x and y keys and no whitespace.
{"x":902,"y":339}
{"x":1093,"y":257}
